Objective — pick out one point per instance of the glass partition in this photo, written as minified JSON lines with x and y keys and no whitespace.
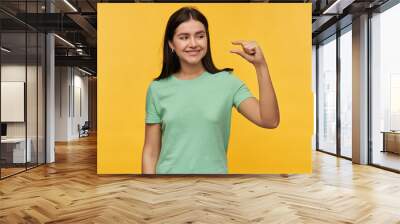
{"x":22,"y":88}
{"x":14,"y":154}
{"x":327,"y":95}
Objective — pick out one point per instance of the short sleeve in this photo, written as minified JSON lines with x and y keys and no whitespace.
{"x":152,"y":115}
{"x":241,"y":93}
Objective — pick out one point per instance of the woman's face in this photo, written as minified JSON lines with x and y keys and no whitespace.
{"x":190,"y":42}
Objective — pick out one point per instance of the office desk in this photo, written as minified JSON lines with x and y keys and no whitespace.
{"x":15,"y":148}
{"x":391,"y":141}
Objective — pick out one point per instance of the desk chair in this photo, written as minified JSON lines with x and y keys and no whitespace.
{"x":84,"y":130}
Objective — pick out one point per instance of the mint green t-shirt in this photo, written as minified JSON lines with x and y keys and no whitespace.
{"x":195,"y":117}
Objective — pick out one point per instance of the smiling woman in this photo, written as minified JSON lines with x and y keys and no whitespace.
{"x":189,"y":105}
{"x":190,"y":42}
{"x":186,"y":45}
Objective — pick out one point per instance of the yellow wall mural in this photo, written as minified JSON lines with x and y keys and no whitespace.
{"x":130,"y":38}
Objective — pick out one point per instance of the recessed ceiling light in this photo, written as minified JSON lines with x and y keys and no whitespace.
{"x":337,"y":7}
{"x":5,"y":50}
{"x":64,"y":40}
{"x":70,"y":5}
{"x":84,"y":71}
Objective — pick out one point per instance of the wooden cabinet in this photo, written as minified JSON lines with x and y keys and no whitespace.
{"x":391,"y":142}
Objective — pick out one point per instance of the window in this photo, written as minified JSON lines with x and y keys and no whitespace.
{"x":346,"y":93}
{"x":327,"y":95}
{"x":385,"y":88}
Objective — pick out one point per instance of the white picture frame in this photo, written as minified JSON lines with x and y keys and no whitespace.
{"x":12,"y":101}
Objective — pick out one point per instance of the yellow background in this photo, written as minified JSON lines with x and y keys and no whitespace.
{"x":130,"y":56}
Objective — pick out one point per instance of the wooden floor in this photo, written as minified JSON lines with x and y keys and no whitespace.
{"x":70,"y":191}
{"x":5,"y":172}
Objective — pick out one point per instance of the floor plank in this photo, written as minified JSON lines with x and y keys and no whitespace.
{"x":70,"y":191}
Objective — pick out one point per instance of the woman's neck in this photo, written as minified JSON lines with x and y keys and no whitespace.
{"x":190,"y":71}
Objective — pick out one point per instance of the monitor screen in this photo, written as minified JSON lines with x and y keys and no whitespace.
{"x":3,"y":129}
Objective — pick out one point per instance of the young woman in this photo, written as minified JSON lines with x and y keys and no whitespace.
{"x":188,"y":107}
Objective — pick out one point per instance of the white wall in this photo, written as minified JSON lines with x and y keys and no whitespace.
{"x":81,"y":84}
{"x":71,"y":93}
{"x":62,"y":78}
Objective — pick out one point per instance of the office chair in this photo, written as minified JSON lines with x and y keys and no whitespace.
{"x":84,"y":130}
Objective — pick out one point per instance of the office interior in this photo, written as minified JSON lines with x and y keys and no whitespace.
{"x":48,"y":80}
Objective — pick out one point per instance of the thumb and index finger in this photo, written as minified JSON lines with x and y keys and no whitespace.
{"x":239,"y":52}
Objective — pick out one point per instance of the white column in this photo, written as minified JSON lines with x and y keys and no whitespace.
{"x":313,"y":87}
{"x":50,"y":92}
{"x":360,"y":90}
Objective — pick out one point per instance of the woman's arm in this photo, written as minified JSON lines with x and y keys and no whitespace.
{"x":151,"y":148}
{"x":265,"y":112}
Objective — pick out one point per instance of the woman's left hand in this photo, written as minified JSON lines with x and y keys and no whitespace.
{"x":251,"y":52}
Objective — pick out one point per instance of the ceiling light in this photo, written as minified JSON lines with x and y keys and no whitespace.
{"x":64,"y":40}
{"x":84,"y":71}
{"x":337,"y":7}
{"x":70,"y":5}
{"x":5,"y":50}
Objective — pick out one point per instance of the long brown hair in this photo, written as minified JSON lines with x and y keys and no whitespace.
{"x":171,"y":63}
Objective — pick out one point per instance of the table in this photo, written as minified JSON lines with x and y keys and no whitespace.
{"x":16,"y":148}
